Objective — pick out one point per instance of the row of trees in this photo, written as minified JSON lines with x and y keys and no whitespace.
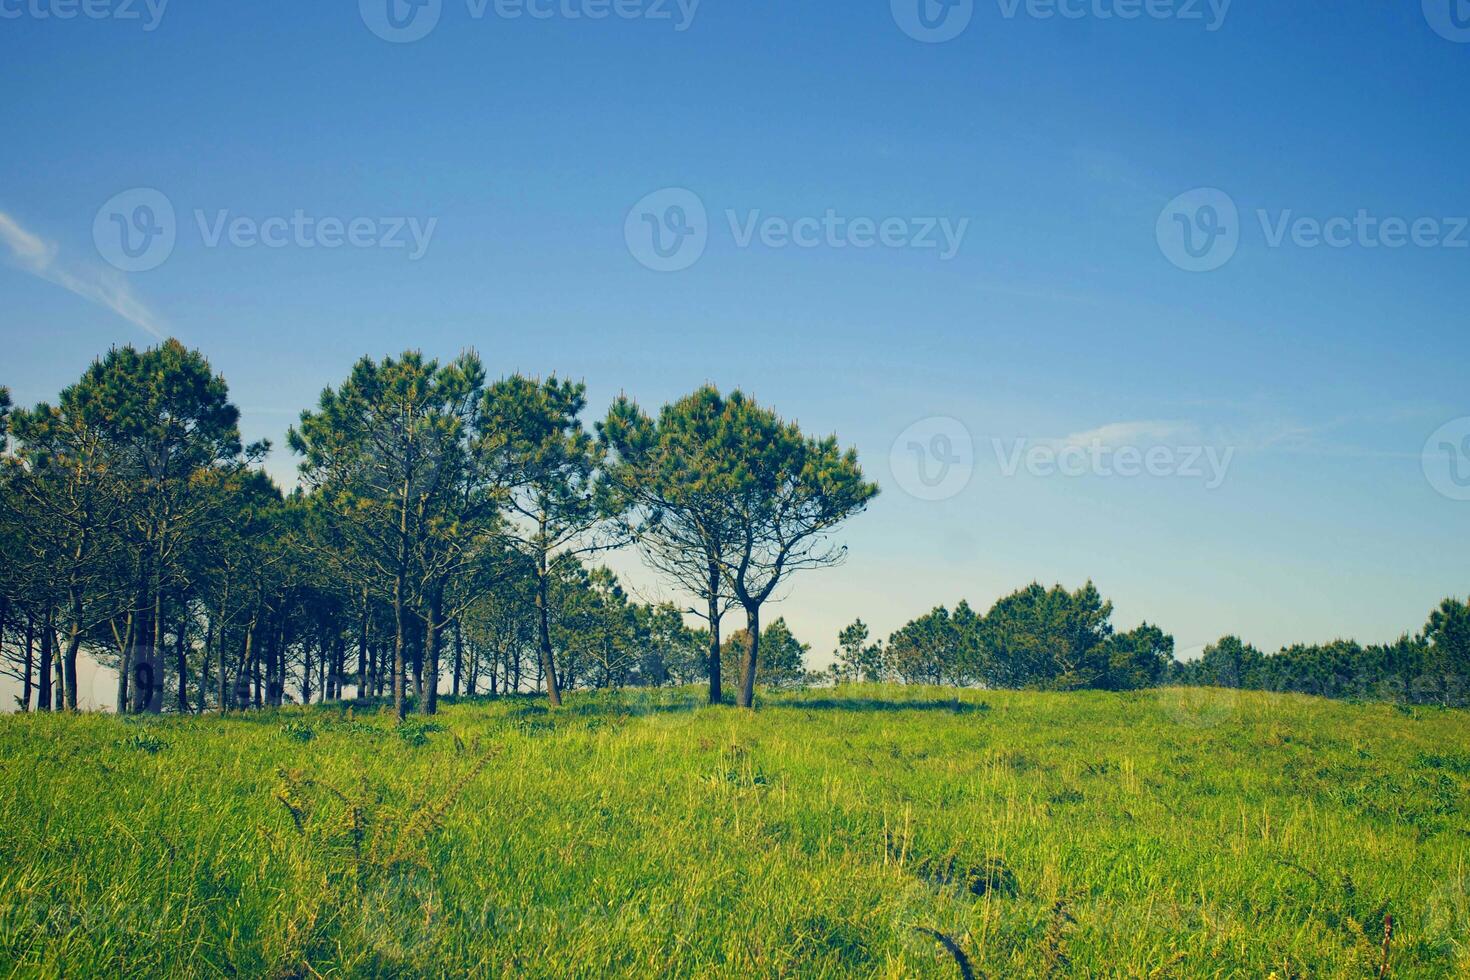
{"x":446,"y":532}
{"x":445,"y":524}
{"x":1036,"y":637}
{"x":1059,"y":640}
{"x":1431,"y":666}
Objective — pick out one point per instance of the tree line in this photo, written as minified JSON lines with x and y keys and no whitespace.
{"x":1053,"y":639}
{"x":445,"y":528}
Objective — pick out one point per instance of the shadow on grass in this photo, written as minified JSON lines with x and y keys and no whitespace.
{"x":869,"y":705}
{"x":629,"y":702}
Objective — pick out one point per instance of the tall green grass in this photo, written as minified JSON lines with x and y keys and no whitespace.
{"x":836,"y":833}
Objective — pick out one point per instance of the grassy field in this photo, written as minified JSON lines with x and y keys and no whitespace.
{"x":833,"y":833}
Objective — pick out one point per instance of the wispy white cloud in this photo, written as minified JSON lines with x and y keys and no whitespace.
{"x":1116,"y":434}
{"x":31,"y":253}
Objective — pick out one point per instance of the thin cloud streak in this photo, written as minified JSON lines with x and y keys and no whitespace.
{"x":1117,"y":434}
{"x":31,"y":253}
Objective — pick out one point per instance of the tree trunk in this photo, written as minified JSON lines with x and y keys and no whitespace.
{"x":208,"y":656}
{"x":306,"y":665}
{"x":362,"y":649}
{"x":155,"y":690}
{"x":543,"y":629}
{"x":224,"y":673}
{"x":25,"y":691}
{"x":339,"y":662}
{"x":431,"y":654}
{"x":458,"y":656}
{"x":73,"y":639}
{"x":752,"y":657}
{"x":240,"y":698}
{"x":398,"y":705}
{"x":258,"y":696}
{"x":130,"y":637}
{"x":181,"y":663}
{"x":401,"y":571}
{"x":43,"y":696}
{"x":415,"y":641}
{"x":715,"y":694}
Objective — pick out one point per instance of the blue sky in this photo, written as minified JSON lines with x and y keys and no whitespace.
{"x":1057,"y":143}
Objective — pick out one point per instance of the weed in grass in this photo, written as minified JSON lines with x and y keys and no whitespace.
{"x":298,"y":731}
{"x":144,"y":741}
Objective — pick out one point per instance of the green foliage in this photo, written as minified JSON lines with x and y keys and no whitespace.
{"x":937,"y":648}
{"x":1137,"y":659}
{"x":1060,"y":640}
{"x":1035,"y":637}
{"x":114,"y":491}
{"x":1412,"y":670}
{"x":856,"y":659}
{"x":143,"y":741}
{"x":1047,"y":638}
{"x":298,"y":730}
{"x":416,"y":732}
{"x":1448,"y":634}
{"x":782,"y":657}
